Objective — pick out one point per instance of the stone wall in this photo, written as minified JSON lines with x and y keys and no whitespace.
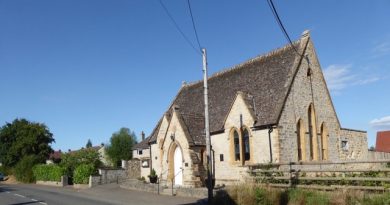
{"x":373,"y":155}
{"x":94,"y":181}
{"x":62,"y":183}
{"x":133,"y":170}
{"x":356,"y":145}
{"x":309,"y":90}
{"x":112,"y":175}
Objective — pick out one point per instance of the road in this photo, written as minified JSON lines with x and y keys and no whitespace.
{"x":100,"y":195}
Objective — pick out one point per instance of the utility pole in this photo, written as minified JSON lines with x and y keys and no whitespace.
{"x":207,"y":129}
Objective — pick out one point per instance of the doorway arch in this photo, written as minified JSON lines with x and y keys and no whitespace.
{"x":178,"y":166}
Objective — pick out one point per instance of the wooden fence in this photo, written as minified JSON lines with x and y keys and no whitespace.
{"x":361,"y":175}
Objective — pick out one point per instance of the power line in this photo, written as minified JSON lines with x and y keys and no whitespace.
{"x":193,"y":24}
{"x":277,"y":18}
{"x":178,"y":28}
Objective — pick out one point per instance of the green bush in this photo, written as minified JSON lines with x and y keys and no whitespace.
{"x":51,"y":172}
{"x":5,"y":170}
{"x":23,"y":169}
{"x":82,"y":172}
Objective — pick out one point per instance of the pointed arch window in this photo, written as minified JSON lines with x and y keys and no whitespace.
{"x":236,"y":139}
{"x":324,"y":141}
{"x":312,"y":133}
{"x":245,"y":137}
{"x":301,"y":141}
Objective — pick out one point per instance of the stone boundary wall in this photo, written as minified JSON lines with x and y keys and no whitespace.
{"x":133,"y":169}
{"x":112,"y":175}
{"x":49,"y":183}
{"x":373,"y":155}
{"x":62,"y":183}
{"x":94,"y":181}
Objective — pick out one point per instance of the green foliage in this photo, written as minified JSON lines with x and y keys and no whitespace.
{"x":51,"y":172}
{"x":23,"y":138}
{"x":70,"y":161}
{"x":300,"y":196}
{"x":82,"y":173}
{"x":153,"y":173}
{"x":121,"y":144}
{"x":89,"y":144}
{"x":262,"y":195}
{"x":23,"y":169}
{"x":5,"y":170}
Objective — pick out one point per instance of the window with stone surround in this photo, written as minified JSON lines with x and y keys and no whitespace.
{"x":344,"y":145}
{"x":236,"y":139}
{"x":245,"y":137}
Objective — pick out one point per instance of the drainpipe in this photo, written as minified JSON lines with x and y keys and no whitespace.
{"x":270,"y":129}
{"x":150,"y":157}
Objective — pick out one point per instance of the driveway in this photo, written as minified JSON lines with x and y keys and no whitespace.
{"x":104,"y":194}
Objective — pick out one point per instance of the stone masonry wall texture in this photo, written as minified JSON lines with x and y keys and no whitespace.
{"x":306,"y":91}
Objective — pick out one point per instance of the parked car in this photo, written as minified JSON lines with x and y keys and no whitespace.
{"x":1,"y":176}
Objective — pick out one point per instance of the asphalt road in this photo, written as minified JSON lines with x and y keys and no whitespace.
{"x":105,"y":194}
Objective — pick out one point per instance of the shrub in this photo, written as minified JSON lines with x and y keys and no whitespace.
{"x":23,"y":169}
{"x":5,"y":170}
{"x":85,"y":156}
{"x":49,"y":172}
{"x":82,"y":172}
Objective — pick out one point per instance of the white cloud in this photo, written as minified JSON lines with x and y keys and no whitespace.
{"x":381,"y":123}
{"x":381,"y":49}
{"x":339,"y":77}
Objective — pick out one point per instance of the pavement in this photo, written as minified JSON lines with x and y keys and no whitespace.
{"x":20,"y":194}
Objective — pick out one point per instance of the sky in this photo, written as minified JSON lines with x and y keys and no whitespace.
{"x":87,"y":68}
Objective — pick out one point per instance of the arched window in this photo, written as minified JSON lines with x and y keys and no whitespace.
{"x":324,"y":141}
{"x":236,"y":138}
{"x":301,"y":141}
{"x":312,"y":133}
{"x":245,"y":137}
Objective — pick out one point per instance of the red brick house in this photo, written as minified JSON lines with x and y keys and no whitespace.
{"x":383,"y":141}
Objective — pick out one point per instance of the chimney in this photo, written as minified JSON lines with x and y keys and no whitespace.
{"x":143,"y":135}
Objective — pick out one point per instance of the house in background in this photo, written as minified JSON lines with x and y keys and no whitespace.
{"x":382,"y":141}
{"x":141,"y":151}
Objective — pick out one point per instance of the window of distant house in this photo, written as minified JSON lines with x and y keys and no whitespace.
{"x":140,"y":152}
{"x":344,"y":145}
{"x":236,"y":138}
{"x":245,"y":137}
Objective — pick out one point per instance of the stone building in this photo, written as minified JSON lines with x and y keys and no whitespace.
{"x":272,"y":108}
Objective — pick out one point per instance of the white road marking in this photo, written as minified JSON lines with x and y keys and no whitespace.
{"x":7,"y":192}
{"x":20,"y":195}
{"x":34,"y":200}
{"x":43,"y":203}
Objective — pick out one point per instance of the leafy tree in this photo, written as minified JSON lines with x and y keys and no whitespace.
{"x":71,"y":160}
{"x":121,"y":144}
{"x":89,"y":144}
{"x":24,"y":169}
{"x":22,"y":138}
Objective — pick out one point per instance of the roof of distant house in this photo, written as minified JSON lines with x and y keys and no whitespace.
{"x":55,"y":155}
{"x":382,"y":141}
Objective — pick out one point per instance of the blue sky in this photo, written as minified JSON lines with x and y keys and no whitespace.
{"x":87,"y":68}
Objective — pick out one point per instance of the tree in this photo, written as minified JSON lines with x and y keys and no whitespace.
{"x":22,"y":138}
{"x":70,"y":161}
{"x":89,"y":144}
{"x":121,"y":144}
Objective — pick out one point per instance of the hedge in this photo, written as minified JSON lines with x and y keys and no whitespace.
{"x":23,"y":169}
{"x":48,"y":172}
{"x":82,"y":172}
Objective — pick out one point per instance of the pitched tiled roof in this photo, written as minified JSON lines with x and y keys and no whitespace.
{"x":195,"y":127}
{"x":382,"y":141}
{"x":144,"y":144}
{"x":264,"y":81}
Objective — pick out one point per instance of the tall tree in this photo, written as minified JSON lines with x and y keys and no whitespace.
{"x":121,"y":144}
{"x":23,"y":138}
{"x":89,"y":144}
